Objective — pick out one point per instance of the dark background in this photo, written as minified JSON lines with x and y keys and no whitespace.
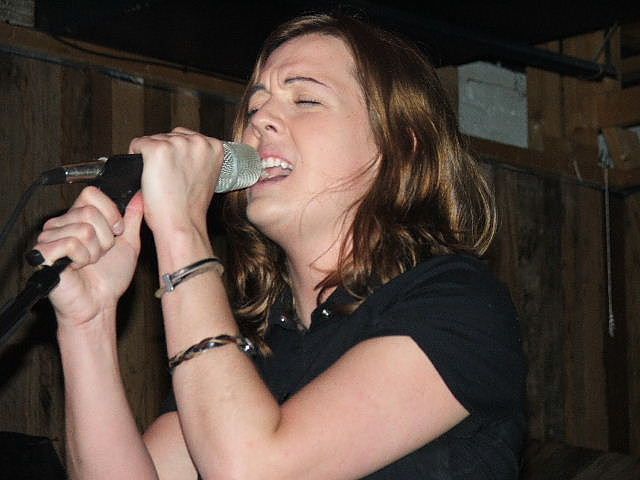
{"x":223,"y":37}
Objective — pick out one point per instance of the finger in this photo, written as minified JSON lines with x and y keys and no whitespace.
{"x":183,"y":130}
{"x":158,"y":145}
{"x":80,"y":239}
{"x":70,"y":247}
{"x":93,"y":196}
{"x":133,"y":219}
{"x":34,"y":257}
{"x":90,"y":223}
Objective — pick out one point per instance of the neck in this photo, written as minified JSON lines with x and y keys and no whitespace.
{"x":306,"y":270}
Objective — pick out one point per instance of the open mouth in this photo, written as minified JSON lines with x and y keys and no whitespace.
{"x":273,"y":167}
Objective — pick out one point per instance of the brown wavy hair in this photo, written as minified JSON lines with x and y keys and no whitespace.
{"x":428,"y":197}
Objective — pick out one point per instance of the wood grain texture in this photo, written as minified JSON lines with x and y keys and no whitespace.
{"x":544,"y":103}
{"x":529,"y":231}
{"x":30,"y":381}
{"x":632,"y":293}
{"x":584,"y":314}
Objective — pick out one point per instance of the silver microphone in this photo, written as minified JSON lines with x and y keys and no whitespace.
{"x":241,"y":168}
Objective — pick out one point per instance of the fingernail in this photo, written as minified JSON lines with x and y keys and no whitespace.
{"x":118,"y":227}
{"x":34,"y":258}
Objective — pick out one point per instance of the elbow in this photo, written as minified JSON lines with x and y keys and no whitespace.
{"x":248,"y":465}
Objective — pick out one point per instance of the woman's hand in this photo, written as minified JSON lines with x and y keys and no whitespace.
{"x":103,"y":247}
{"x":180,"y":172}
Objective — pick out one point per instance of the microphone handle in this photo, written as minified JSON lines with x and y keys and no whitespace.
{"x":120,"y":179}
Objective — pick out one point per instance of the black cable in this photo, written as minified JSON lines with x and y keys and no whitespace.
{"x":17,"y":210}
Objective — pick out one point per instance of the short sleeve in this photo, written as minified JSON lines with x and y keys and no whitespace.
{"x":464,"y":321}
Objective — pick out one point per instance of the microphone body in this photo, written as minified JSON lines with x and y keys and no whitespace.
{"x":119,"y":175}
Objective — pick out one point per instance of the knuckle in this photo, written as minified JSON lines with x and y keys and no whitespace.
{"x":134,"y":141}
{"x":50,"y":224}
{"x":164,"y":148}
{"x":110,"y":242}
{"x":71,"y":243}
{"x":200,"y":141}
{"x":89,"y":213}
{"x":43,"y":237}
{"x":86,"y":232}
{"x":88,"y":192}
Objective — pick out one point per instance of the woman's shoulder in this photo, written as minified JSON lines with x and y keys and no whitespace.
{"x":443,"y":275}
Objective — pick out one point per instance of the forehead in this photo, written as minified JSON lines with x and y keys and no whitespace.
{"x":315,"y":52}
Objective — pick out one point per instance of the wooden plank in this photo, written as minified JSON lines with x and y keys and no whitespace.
{"x":632,"y":284}
{"x":526,"y":245}
{"x":212,"y":116}
{"x":580,"y":112}
{"x":127,"y":110}
{"x":35,"y":44}
{"x":616,"y":339}
{"x":30,"y":389}
{"x":584,"y":313}
{"x":157,"y":112}
{"x":12,"y":151}
{"x":618,"y":108}
{"x":544,"y":104}
{"x":185,"y":109}
{"x":630,"y":69}
{"x":561,"y":158}
{"x":101,"y":115}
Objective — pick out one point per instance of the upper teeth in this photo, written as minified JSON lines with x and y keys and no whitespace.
{"x":270,"y":162}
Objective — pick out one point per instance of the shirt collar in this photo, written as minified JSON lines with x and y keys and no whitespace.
{"x":282,"y":316}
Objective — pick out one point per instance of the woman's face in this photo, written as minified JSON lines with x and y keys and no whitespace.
{"x":308,"y":120}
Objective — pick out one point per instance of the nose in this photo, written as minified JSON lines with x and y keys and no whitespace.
{"x":266,"y":120}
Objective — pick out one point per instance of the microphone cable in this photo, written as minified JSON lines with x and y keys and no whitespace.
{"x":14,"y":311}
{"x":22,"y":202}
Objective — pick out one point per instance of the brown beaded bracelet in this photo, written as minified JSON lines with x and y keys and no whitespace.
{"x":244,"y":344}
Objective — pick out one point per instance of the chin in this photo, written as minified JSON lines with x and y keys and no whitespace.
{"x":267,"y":217}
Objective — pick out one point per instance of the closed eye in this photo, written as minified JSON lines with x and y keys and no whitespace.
{"x":307,"y":101}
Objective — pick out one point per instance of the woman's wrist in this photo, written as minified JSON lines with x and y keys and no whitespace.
{"x":180,"y":248}
{"x":99,"y":327}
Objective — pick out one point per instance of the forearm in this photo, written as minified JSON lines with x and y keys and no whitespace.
{"x":101,"y":434}
{"x":226,"y":411}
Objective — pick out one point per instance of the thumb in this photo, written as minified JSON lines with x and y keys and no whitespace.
{"x":132,"y":219}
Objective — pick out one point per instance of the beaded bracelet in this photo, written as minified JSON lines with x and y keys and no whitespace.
{"x":244,"y":344}
{"x":171,"y":280}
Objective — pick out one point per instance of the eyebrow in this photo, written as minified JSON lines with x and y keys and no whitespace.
{"x":259,"y":87}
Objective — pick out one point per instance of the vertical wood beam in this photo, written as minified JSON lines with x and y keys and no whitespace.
{"x":631,"y":269}
{"x":615,"y":348}
{"x":526,"y":256}
{"x":584,"y":313}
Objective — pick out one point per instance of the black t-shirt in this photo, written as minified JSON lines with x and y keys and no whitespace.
{"x":464,"y":321}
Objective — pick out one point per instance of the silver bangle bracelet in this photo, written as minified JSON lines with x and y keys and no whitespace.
{"x":171,"y":280}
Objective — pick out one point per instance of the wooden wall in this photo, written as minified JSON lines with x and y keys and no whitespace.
{"x":62,"y":107}
{"x":56,"y":112}
{"x":583,"y":384}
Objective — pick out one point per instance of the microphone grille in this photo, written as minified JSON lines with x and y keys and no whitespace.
{"x":241,"y":167}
